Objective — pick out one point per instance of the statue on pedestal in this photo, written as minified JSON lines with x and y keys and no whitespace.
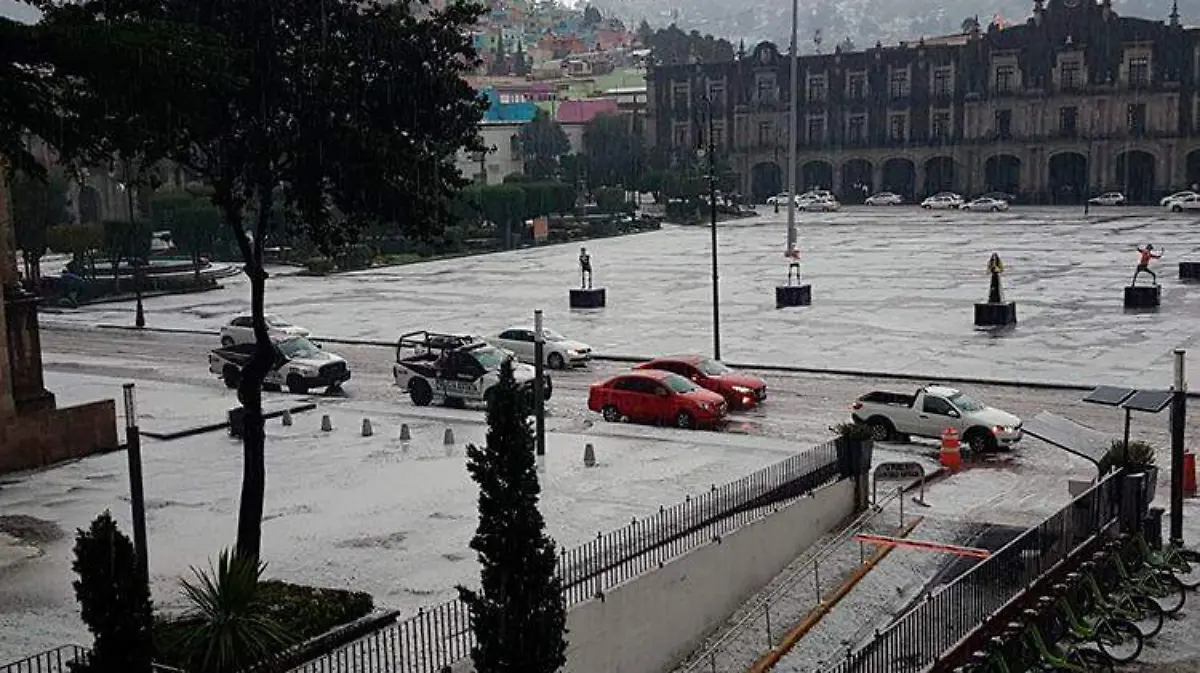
{"x":1145,"y":255}
{"x":585,"y":269}
{"x":793,"y":265}
{"x":995,"y":267}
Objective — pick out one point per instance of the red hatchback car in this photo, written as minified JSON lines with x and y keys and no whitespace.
{"x":653,"y":396}
{"x":741,"y":391}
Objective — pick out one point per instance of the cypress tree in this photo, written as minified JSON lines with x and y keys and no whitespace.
{"x":113,"y":600}
{"x":518,"y":614}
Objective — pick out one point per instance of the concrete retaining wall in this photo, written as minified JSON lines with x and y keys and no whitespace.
{"x":652,"y":622}
{"x":42,"y":438}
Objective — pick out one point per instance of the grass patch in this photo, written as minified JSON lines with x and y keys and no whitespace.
{"x":303,"y":612}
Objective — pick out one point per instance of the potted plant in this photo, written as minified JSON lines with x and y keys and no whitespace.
{"x":1137,"y":457}
{"x":854,"y":447}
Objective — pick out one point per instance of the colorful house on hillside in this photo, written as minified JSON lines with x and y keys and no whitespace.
{"x":499,"y":111}
{"x":584,"y":111}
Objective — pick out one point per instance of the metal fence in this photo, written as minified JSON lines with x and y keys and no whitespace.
{"x":916,"y":639}
{"x":52,"y":661}
{"x":437,"y":637}
{"x":763,"y":622}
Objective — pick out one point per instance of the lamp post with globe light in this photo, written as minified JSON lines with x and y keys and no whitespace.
{"x":708,"y":148}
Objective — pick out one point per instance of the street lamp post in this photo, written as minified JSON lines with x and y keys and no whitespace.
{"x":134,"y":259}
{"x":710,"y":149}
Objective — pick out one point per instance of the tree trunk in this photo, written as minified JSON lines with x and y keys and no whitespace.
{"x":117,"y":276}
{"x":254,"y":473}
{"x":196,"y":263}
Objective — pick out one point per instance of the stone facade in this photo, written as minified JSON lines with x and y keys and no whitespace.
{"x":1076,"y":100}
{"x":33,"y":433}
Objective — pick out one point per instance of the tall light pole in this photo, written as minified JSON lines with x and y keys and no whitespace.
{"x":793,"y":89}
{"x":710,"y":148}
{"x":134,"y":260}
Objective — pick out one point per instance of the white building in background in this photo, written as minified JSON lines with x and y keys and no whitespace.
{"x":503,"y":158}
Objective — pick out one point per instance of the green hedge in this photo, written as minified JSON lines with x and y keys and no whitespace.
{"x":304,"y":612}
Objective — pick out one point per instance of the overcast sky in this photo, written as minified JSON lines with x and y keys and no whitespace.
{"x":18,"y":10}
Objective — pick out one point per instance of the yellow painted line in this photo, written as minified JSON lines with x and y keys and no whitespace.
{"x":768,"y":661}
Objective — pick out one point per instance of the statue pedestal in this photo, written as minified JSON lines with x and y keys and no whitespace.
{"x":793,"y":295}
{"x":1142,"y":296}
{"x":25,"y":354}
{"x":590,"y":298}
{"x":995,"y":315}
{"x":1189,"y":271}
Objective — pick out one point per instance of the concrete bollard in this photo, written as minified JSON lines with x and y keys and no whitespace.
{"x":326,"y":424}
{"x":286,"y":418}
{"x":367,"y":431}
{"x":405,"y":435}
{"x":589,"y":455}
{"x":448,"y":438}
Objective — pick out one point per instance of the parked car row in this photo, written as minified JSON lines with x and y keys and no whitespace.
{"x":816,"y":200}
{"x":685,"y":391}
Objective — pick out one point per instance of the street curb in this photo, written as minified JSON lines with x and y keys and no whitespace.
{"x":211,"y":427}
{"x":788,"y":369}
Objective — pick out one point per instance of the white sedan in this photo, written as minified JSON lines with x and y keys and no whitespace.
{"x":884,"y":199}
{"x":1108,"y":199}
{"x":240,"y":330}
{"x":1190,"y":202}
{"x":824,"y":204}
{"x":1166,"y":200}
{"x":942,"y":202}
{"x":780,"y":199}
{"x":986,"y":203}
{"x":559,"y":351}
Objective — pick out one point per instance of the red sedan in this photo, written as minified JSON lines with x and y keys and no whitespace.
{"x":653,"y":396}
{"x":741,"y":391}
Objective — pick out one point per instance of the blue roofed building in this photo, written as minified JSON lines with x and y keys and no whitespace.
{"x":507,"y":112}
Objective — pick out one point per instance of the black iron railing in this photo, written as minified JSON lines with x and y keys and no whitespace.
{"x":919,"y":637}
{"x":437,"y":637}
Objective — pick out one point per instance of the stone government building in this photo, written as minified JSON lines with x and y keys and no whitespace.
{"x":1077,"y":100}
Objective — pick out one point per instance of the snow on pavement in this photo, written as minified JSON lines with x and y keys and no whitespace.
{"x":341,"y":510}
{"x":893,"y":291}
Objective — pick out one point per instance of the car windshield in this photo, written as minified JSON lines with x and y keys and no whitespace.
{"x":276,"y":321}
{"x":551,"y":335}
{"x":714,"y":368}
{"x":678,"y":384}
{"x":490,"y":358}
{"x":965,"y":403}
{"x":299,"y":348}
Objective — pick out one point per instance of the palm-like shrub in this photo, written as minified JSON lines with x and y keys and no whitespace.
{"x":1136,"y":458}
{"x":230,"y":628}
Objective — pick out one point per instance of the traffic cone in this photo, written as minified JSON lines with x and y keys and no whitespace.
{"x":951,"y":452}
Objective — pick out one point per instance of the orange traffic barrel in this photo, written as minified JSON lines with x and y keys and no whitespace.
{"x":951,"y":452}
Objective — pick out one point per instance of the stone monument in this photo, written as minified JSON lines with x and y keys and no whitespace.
{"x":33,"y":431}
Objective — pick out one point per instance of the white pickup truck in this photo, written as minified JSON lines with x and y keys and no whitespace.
{"x":896,"y":416}
{"x":455,"y":369}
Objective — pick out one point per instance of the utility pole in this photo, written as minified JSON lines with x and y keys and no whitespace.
{"x":137,"y":496}
{"x":712,"y":205}
{"x":1178,"y":428}
{"x":793,"y":89}
{"x":539,"y":392}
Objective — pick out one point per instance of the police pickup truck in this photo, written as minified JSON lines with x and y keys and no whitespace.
{"x":454,"y":369}
{"x":299,"y":364}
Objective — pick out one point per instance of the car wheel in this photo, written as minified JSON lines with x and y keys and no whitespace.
{"x":881,"y":429}
{"x":1176,"y":209}
{"x":995,"y":209}
{"x":296,"y":384}
{"x":231,"y":375}
{"x":226,"y":341}
{"x":611,"y":414}
{"x":684,"y":420}
{"x":980,"y":441}
{"x":556,"y":361}
{"x":419,"y":392}
{"x":547,"y":389}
